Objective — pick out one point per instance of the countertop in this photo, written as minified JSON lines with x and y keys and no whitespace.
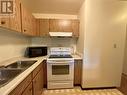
{"x":76,"y":57}
{"x":5,"y":90}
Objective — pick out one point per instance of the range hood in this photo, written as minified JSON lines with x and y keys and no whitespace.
{"x":60,"y":34}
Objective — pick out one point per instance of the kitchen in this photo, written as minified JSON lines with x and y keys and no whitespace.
{"x":98,"y":48}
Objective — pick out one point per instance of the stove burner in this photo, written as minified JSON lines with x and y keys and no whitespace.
{"x":60,"y":56}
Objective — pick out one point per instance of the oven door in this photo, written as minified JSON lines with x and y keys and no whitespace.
{"x":60,"y":71}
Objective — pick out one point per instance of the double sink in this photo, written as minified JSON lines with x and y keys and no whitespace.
{"x":9,"y":72}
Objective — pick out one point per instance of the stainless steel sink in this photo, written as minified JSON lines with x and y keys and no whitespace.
{"x":7,"y":75}
{"x":21,"y":64}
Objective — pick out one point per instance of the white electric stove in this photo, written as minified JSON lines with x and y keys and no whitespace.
{"x":60,"y":68}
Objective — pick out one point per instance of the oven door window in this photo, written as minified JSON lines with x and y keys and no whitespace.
{"x":60,"y":69}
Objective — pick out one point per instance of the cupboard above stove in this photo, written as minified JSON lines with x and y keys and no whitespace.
{"x":58,"y":25}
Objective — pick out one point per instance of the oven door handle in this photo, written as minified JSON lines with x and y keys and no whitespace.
{"x":59,"y":63}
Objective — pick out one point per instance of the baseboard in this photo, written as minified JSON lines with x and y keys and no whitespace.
{"x":96,"y":88}
{"x":77,"y":85}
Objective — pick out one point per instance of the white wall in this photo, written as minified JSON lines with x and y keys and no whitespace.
{"x":12,"y":45}
{"x":104,"y":31}
{"x":124,"y":17}
{"x":80,"y":42}
{"x":125,"y":56}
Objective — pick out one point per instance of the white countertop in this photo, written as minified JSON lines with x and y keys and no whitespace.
{"x":76,"y":57}
{"x":5,"y":90}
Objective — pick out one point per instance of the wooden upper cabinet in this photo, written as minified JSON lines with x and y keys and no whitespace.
{"x":75,"y":27}
{"x":44,"y":27}
{"x":15,"y":22}
{"x":37,"y":27}
{"x":5,"y":22}
{"x":22,"y":21}
{"x":12,"y":22}
{"x":29,"y":26}
{"x":27,"y":21}
{"x":33,"y":26}
{"x":60,"y":25}
{"x":64,"y":25}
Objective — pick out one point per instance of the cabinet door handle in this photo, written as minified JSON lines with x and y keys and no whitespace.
{"x":30,"y":89}
{"x":24,"y":30}
{"x":3,"y":22}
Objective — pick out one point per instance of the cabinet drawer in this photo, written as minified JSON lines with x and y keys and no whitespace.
{"x":22,"y":86}
{"x":35,"y":72}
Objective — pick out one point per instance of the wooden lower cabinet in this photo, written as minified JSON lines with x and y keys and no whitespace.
{"x":38,"y":83}
{"x":123,"y":87}
{"x":45,"y":73}
{"x":28,"y":90}
{"x":22,"y":86}
{"x":32,"y":85}
{"x":77,"y":72}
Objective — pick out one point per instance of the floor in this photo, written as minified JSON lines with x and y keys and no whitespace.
{"x":78,"y":91}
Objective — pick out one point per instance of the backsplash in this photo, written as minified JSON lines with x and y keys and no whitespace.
{"x":55,"y":42}
{"x":12,"y":44}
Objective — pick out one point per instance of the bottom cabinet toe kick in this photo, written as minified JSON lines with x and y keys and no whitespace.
{"x":60,"y":84}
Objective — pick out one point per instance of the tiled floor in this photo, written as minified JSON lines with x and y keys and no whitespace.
{"x":78,"y":91}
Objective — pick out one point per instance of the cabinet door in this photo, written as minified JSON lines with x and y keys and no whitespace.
{"x":38,"y":83}
{"x":5,"y":22}
{"x":15,"y":22}
{"x":44,"y":27}
{"x":60,"y":25}
{"x":28,"y":90}
{"x":77,"y":72}
{"x":38,"y":27}
{"x":22,"y":86}
{"x":123,"y":87}
{"x":45,"y":73}
{"x":35,"y":33}
{"x":75,"y":27}
{"x":33,"y":26}
{"x":26,"y":21}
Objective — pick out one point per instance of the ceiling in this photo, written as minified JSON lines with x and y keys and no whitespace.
{"x":53,"y":6}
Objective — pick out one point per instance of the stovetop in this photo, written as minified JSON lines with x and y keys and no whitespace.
{"x":60,"y":56}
